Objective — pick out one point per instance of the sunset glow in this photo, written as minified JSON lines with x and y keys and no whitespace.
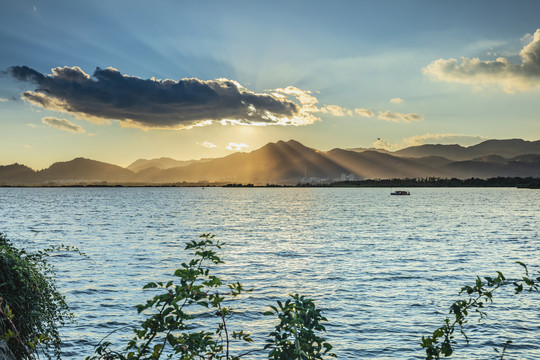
{"x":98,"y":84}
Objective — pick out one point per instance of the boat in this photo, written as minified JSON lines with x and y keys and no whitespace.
{"x":400,"y":192}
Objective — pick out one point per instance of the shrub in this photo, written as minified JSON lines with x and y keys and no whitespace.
{"x":295,"y":336}
{"x":170,"y":329}
{"x":31,"y":307}
{"x":442,"y":341}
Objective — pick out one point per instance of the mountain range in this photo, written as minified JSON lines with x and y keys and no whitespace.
{"x":291,"y":162}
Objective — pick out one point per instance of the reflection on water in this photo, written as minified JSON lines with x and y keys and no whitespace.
{"x":383,"y":268}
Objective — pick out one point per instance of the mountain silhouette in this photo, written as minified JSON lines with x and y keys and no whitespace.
{"x":281,"y":162}
{"x":15,"y":174}
{"x":504,"y":148}
{"x":291,"y":162}
{"x":81,"y":169}
{"x":507,"y":148}
{"x":161,"y":163}
{"x":376,"y":165}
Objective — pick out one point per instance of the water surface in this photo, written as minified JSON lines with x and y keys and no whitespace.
{"x":384,"y":268}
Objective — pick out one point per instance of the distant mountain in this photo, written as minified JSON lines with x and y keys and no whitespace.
{"x":281,"y":162}
{"x":81,"y":169}
{"x":376,"y":165}
{"x":450,"y":152}
{"x":161,"y":163}
{"x":491,"y":159}
{"x":504,"y":148}
{"x":528,"y":158}
{"x":291,"y":162}
{"x":484,"y":169}
{"x":432,"y":161}
{"x":507,"y":148}
{"x":359,"y":149}
{"x":15,"y":174}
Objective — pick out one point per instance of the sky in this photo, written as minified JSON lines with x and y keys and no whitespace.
{"x":120,"y":80}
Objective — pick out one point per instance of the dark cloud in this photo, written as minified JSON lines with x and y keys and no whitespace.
{"x":108,"y":94}
{"x":24,"y":73}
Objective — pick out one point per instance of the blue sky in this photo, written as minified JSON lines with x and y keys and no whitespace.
{"x":349,"y":72}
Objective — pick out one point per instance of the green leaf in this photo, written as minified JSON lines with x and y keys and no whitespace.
{"x":150,"y":285}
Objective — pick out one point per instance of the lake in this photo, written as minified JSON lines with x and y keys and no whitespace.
{"x":383,"y":268}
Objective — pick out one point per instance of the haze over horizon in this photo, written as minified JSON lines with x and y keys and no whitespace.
{"x":414,"y":151}
{"x":117,"y":82}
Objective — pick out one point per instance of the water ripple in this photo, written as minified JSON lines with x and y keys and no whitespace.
{"x":383,"y":269}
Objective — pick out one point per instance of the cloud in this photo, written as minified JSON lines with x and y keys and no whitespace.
{"x":236,"y":147}
{"x":364,"y":112}
{"x":444,"y":139}
{"x":3,"y":99}
{"x":303,"y":96}
{"x":384,"y":144}
{"x":336,"y":110}
{"x":500,"y":72}
{"x":307,"y":102}
{"x":309,"y":105}
{"x":62,"y":124}
{"x":208,"y":145}
{"x":396,"y":100}
{"x":462,"y":139}
{"x":399,"y":117}
{"x":154,"y":103}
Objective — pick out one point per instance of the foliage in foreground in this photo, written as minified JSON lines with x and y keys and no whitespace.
{"x":31,"y":307}
{"x":295,"y":336}
{"x":442,"y":341}
{"x":173,"y":328}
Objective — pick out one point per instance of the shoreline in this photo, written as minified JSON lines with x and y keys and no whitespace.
{"x":506,"y":182}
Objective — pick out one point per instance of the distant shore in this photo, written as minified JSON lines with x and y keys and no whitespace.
{"x":519,"y":182}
